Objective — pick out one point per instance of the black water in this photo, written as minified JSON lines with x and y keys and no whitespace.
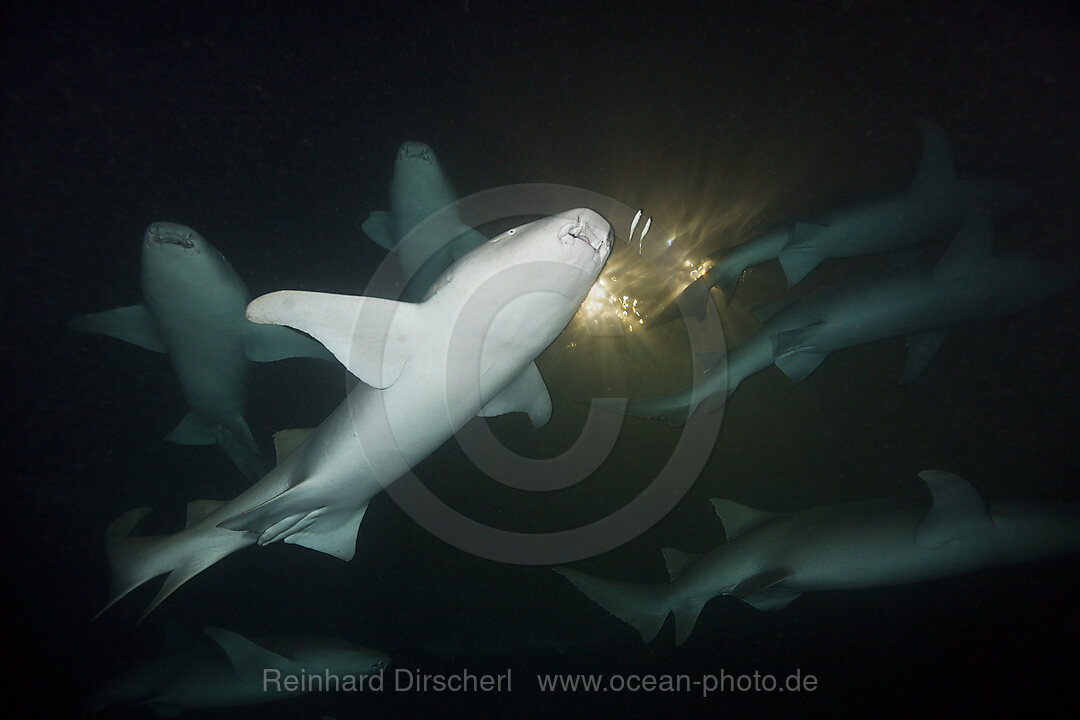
{"x":271,"y":129}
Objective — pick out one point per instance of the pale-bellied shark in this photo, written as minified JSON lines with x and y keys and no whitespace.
{"x":236,"y":671}
{"x":933,"y":208}
{"x":921,"y":302}
{"x":426,"y":369}
{"x":769,"y":560}
{"x":193,"y":309}
{"x":418,"y":190}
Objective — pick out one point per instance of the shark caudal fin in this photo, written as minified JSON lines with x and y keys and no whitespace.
{"x":134,"y":560}
{"x":643,"y":607}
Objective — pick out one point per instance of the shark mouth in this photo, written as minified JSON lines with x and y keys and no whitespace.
{"x":166,"y":238}
{"x":421,"y":152}
{"x":594,"y":237}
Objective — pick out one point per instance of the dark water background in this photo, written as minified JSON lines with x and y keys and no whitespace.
{"x":271,"y":128}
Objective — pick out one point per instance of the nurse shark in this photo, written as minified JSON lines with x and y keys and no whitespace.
{"x":921,"y":302}
{"x":193,"y":309}
{"x":418,"y":190}
{"x":934,"y":207}
{"x":425,"y":368}
{"x":237,"y":671}
{"x":769,"y":560}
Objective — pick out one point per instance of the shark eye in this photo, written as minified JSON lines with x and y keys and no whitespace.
{"x":511,"y":231}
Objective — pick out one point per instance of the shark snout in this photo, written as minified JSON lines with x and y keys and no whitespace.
{"x":165,"y":233}
{"x":590,"y":227}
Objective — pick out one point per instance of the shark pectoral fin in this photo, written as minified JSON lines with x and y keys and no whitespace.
{"x":269,"y":343}
{"x":192,"y":431}
{"x":248,"y":659}
{"x":377,"y":227}
{"x":331,"y":534}
{"x":771,"y":599}
{"x":199,"y":510}
{"x":974,"y":241}
{"x":936,"y":172}
{"x":737,"y":518}
{"x":921,"y":348}
{"x":759,"y":582}
{"x":372,"y":337}
{"x":164,"y":708}
{"x":800,"y":255}
{"x":801,"y":364}
{"x":286,"y":441}
{"x":526,"y":393}
{"x":131,"y":324}
{"x":677,"y":561}
{"x":466,"y":242}
{"x":957,"y":511}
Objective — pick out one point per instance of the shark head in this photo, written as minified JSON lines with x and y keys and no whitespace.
{"x":173,"y":238}
{"x":179,"y":265}
{"x":418,"y":187}
{"x":548,"y":264}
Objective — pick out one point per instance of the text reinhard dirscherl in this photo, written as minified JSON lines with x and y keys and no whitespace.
{"x":410,"y":680}
{"x":400,"y":680}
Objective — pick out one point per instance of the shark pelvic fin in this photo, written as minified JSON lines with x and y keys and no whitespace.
{"x":677,"y":561}
{"x":289,"y":517}
{"x":287,"y":441}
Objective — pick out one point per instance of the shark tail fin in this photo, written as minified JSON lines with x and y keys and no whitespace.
{"x":134,"y":560}
{"x":643,"y":607}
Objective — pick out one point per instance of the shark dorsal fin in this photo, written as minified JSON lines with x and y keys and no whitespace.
{"x":975,"y":241}
{"x":936,"y":172}
{"x":737,"y":518}
{"x":526,"y":393}
{"x":369,"y":336}
{"x":957,"y":510}
{"x":677,"y":561}
{"x":248,"y":659}
{"x":286,"y":441}
{"x":198,"y":510}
